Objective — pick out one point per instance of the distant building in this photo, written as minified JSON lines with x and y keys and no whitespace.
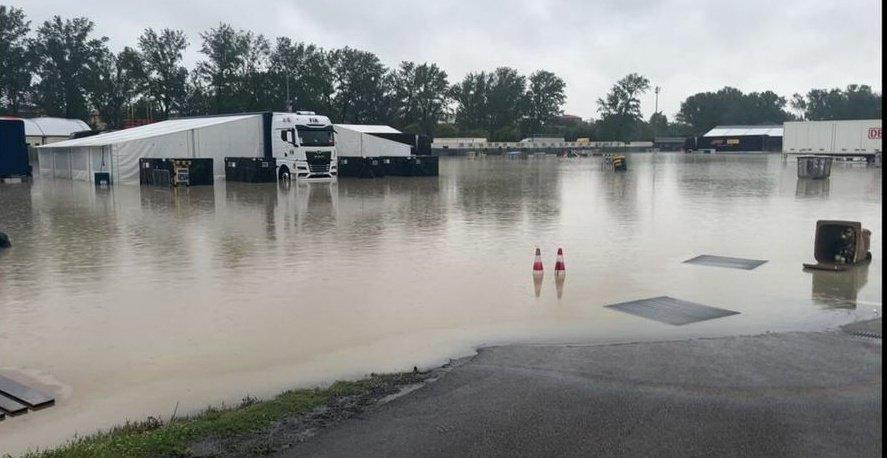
{"x":745,"y":139}
{"x":458,"y":142}
{"x":543,"y":140}
{"x":669,"y":143}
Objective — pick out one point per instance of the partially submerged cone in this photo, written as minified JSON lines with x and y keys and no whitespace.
{"x":537,"y":263}
{"x":559,"y":266}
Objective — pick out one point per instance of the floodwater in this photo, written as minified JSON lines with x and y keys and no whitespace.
{"x":129,"y":302}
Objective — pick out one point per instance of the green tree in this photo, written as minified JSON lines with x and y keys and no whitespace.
{"x":164,"y":74}
{"x":305,"y":73}
{"x":362,"y":87}
{"x":706,"y":110}
{"x":855,"y":102}
{"x":253,"y":87}
{"x":113,"y":84}
{"x":621,"y":109}
{"x":506,"y":103}
{"x":545,"y":97}
{"x":420,"y":94}
{"x":226,"y":51}
{"x":66,"y":53}
{"x":15,"y":59}
{"x":470,"y":96}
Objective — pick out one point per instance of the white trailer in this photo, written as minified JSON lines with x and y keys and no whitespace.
{"x":302,"y":144}
{"x":356,"y":140}
{"x":841,"y":138}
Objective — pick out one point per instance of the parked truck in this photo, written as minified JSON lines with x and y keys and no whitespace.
{"x":300,"y":145}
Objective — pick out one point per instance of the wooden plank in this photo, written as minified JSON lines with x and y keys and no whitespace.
{"x":21,"y":393}
{"x":11,"y":406}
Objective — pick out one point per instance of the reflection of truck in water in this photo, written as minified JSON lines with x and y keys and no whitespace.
{"x":303,"y":144}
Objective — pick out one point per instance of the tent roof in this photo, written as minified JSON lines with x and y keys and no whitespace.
{"x":148,"y":131}
{"x":370,"y":129}
{"x":745,"y":131}
{"x":53,"y":127}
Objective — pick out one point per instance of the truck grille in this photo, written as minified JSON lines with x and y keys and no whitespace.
{"x":319,"y":168}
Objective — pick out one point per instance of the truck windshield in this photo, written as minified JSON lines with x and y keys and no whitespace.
{"x":316,"y":137}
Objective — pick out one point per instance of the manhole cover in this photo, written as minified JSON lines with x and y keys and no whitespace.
{"x":670,"y":310}
{"x":724,"y":261}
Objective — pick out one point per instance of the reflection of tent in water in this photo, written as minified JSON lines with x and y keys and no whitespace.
{"x":812,"y":188}
{"x":839,"y":289}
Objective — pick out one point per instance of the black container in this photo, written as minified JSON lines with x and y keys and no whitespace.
{"x":352,"y":167}
{"x":425,"y":166}
{"x":13,"y":149}
{"x":102,"y":178}
{"x":250,"y":169}
{"x":399,"y":166}
{"x":176,"y":171}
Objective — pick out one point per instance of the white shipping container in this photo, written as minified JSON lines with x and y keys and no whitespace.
{"x":832,"y":137}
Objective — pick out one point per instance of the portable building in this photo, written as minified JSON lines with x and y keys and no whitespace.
{"x":853,"y":137}
{"x":118,"y":152}
{"x":43,"y":131}
{"x":356,"y":140}
{"x":744,"y":139}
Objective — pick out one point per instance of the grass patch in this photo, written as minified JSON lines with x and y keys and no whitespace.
{"x":153,"y":437}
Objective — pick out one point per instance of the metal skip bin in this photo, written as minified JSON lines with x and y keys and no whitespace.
{"x":840,"y":244}
{"x":816,"y":167}
{"x":250,"y":169}
{"x":175,"y":172}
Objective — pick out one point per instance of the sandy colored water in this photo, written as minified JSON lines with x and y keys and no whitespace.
{"x":128,"y":301}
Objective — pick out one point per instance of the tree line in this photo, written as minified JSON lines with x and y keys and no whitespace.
{"x":63,"y":68}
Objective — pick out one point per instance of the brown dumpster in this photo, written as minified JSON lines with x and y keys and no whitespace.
{"x":840,"y":244}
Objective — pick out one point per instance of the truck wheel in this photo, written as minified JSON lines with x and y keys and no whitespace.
{"x":283,"y":173}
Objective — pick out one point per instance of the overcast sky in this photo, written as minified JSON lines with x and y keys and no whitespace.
{"x":683,"y":46}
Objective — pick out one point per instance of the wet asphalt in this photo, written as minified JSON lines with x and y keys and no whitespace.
{"x":801,"y":394}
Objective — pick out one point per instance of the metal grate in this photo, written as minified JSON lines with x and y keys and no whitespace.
{"x":671,"y":311}
{"x":724,"y":261}
{"x":868,"y":328}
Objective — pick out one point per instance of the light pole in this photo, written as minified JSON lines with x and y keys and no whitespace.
{"x":655,"y":110}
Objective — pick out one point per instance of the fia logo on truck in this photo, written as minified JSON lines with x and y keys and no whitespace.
{"x":875,"y":133}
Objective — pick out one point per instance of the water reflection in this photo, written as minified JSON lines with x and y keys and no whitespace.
{"x":838,"y":289}
{"x":812,"y":188}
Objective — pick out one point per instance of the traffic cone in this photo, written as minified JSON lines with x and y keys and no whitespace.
{"x":559,"y":267}
{"x":537,"y":263}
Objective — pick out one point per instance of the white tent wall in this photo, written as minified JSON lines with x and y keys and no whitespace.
{"x":119,"y":152}
{"x":351,"y":143}
{"x":239,"y":137}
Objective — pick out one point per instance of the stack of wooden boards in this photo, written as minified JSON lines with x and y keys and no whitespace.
{"x":17,"y":399}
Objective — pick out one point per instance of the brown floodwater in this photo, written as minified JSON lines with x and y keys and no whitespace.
{"x":127,"y":302}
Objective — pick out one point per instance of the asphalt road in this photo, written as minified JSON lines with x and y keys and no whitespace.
{"x":802,"y":394}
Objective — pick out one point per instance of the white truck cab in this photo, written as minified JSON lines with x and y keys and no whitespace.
{"x":303,"y":144}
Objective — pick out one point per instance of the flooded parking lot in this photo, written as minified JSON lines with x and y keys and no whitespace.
{"x":127,"y":302}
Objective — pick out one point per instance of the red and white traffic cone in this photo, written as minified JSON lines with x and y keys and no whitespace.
{"x":559,"y":267}
{"x":538,"y":273}
{"x":537,"y":263}
{"x":560,"y":273}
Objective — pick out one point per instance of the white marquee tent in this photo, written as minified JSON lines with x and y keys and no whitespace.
{"x":119,"y":152}
{"x":357,"y":140}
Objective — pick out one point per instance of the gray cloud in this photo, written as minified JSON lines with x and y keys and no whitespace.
{"x":681,"y":45}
